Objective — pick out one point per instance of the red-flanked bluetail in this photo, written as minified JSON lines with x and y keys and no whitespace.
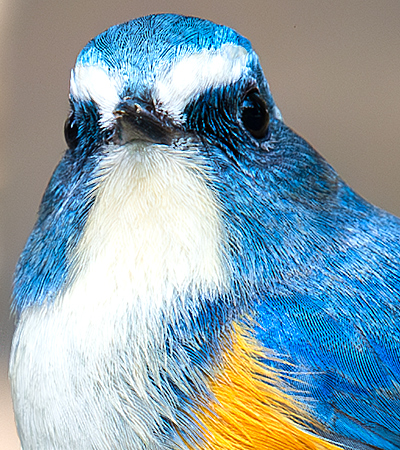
{"x":198,"y":276}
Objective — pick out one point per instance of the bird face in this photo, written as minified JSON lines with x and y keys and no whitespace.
{"x":163,"y":89}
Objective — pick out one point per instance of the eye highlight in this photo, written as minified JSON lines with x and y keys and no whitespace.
{"x":71,"y":132}
{"x":254,"y":114}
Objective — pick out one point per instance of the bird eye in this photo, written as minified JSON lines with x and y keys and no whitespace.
{"x":71,"y":132}
{"x":255,"y":115}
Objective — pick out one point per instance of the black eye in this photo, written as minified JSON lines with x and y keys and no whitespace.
{"x":71,"y":131}
{"x":255,"y":115}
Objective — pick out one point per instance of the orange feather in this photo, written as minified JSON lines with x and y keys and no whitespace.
{"x":250,"y":410}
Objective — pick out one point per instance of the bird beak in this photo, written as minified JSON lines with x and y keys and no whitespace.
{"x":135,"y":122}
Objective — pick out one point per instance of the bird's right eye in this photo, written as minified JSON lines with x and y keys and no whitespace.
{"x":255,"y":115}
{"x":71,"y":131}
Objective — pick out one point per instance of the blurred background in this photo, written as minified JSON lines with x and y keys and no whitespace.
{"x":333,"y":67}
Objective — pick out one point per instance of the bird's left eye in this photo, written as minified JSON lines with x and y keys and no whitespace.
{"x":71,"y":132}
{"x":255,"y":116}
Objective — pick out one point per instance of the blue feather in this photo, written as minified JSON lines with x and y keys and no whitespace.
{"x":314,"y":264}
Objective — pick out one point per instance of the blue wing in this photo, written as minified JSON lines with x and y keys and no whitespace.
{"x":345,"y":375}
{"x":339,"y":330}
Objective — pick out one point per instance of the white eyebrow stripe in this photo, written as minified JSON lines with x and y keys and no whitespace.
{"x":196,"y":73}
{"x":173,"y":88}
{"x":95,"y":83}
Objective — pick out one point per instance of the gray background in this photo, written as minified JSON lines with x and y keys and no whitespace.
{"x":333,"y":67}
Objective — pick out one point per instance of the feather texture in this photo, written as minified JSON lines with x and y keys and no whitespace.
{"x":198,"y":276}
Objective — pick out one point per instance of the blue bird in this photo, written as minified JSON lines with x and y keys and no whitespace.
{"x":198,"y":276}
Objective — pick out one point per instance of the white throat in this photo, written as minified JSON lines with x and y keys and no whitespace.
{"x":154,"y":228}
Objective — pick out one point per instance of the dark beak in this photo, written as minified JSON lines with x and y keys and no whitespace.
{"x":136,"y":122}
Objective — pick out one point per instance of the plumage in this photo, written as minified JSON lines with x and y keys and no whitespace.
{"x":198,"y":276}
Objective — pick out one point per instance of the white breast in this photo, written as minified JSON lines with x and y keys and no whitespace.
{"x":153,"y":233}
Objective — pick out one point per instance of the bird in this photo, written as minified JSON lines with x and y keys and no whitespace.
{"x":199,"y":277}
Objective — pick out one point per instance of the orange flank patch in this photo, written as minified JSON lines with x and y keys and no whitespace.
{"x":250,"y":411}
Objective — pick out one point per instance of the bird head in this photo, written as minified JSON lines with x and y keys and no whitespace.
{"x":167,"y":79}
